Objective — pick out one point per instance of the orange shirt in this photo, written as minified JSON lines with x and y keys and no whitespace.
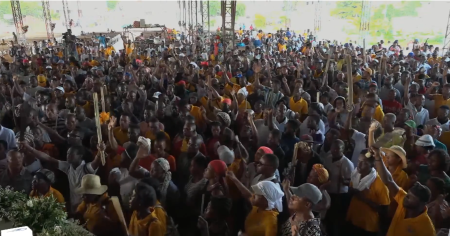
{"x":418,"y":226}
{"x":149,"y":226}
{"x":369,"y":221}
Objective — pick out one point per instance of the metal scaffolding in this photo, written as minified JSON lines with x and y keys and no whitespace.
{"x":18,"y":22}
{"x":205,"y":15}
{"x":66,"y":13}
{"x":228,"y":10}
{"x":80,"y":12}
{"x":364,"y":25}
{"x":446,"y":46}
{"x":317,"y":18}
{"x":48,"y":19}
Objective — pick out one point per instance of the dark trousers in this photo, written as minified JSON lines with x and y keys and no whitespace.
{"x":352,"y":230}
{"x":335,"y":218}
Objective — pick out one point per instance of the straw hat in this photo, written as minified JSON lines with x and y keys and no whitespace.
{"x":90,"y":184}
{"x":399,"y":151}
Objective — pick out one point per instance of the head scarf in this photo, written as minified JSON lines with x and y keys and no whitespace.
{"x":219,"y":167}
{"x":225,"y":118}
{"x":167,"y":178}
{"x":266,"y":150}
{"x":225,"y":154}
{"x":272,"y":193}
{"x":321,"y":172}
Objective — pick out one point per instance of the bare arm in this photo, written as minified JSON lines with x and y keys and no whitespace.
{"x":384,"y":174}
{"x":246,"y":194}
{"x":39,"y":155}
{"x":112,"y":140}
{"x":98,"y":158}
{"x":134,"y":168}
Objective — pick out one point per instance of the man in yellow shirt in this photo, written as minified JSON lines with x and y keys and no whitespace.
{"x":411,"y":217}
{"x":370,"y":196}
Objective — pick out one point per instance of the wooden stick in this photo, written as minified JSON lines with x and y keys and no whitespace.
{"x":102,"y":97}
{"x":97,"y":123}
{"x":326,"y":67}
{"x":119,"y":212}
{"x":350,"y":80}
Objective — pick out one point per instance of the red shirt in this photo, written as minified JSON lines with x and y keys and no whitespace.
{"x":210,"y":146}
{"x":391,"y":107}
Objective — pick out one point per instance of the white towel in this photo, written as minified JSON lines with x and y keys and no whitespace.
{"x":364,"y":183}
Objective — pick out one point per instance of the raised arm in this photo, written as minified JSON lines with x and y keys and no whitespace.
{"x":384,"y":174}
{"x":39,"y":155}
{"x":101,"y":147}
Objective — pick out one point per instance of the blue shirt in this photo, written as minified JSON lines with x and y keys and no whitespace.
{"x":439,"y":145}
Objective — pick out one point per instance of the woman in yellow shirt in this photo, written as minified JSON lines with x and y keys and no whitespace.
{"x":395,"y":161}
{"x":41,"y":186}
{"x":144,"y":221}
{"x":267,"y":203}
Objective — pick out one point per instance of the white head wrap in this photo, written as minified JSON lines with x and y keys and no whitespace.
{"x":271,"y":192}
{"x":225,"y":154}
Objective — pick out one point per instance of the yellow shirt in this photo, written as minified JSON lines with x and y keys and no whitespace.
{"x":357,"y":78}
{"x":129,"y":49}
{"x":260,"y":35}
{"x":92,"y":211}
{"x":120,"y":135}
{"x":51,"y":192}
{"x":149,"y":226}
{"x":244,"y":105}
{"x":300,"y":106}
{"x":197,"y":114}
{"x":281,"y":47}
{"x":439,"y":101}
{"x":240,"y":32}
{"x":378,"y":114}
{"x":161,"y":214}
{"x":369,"y":221}
{"x":261,"y":222}
{"x":234,"y":88}
{"x":418,"y":226}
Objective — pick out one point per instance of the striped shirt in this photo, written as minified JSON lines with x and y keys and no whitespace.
{"x":59,"y":125}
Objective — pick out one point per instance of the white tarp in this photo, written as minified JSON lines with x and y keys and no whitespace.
{"x":117,"y":42}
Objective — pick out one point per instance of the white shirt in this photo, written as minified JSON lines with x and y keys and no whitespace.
{"x":281,"y":125}
{"x":338,"y":170}
{"x":420,"y":117}
{"x":75,"y":176}
{"x":263,"y":132}
{"x":360,"y":144}
{"x":127,"y":184}
{"x":444,"y":127}
{"x":327,"y":108}
{"x":8,"y":136}
{"x":305,"y":130}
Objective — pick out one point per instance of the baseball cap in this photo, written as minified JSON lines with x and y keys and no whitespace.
{"x":425,"y":141}
{"x":308,"y":191}
{"x":411,"y":124}
{"x":47,"y":175}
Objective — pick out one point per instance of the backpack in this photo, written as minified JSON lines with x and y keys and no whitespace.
{"x":170,"y":225}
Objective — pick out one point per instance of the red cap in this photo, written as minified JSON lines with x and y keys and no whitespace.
{"x":181,"y":82}
{"x":227,"y":101}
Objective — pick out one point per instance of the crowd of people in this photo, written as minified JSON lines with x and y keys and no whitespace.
{"x":280,"y":134}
